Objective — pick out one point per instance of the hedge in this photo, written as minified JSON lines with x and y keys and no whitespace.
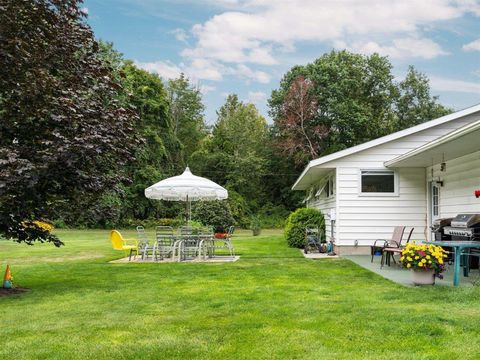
{"x":298,"y":221}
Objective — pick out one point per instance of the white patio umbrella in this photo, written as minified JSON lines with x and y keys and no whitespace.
{"x":186,"y":187}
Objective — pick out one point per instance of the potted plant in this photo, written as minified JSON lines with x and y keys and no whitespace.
{"x":425,"y":261}
{"x":255,"y":225}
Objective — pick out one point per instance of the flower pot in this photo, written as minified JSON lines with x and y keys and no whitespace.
{"x":423,"y":277}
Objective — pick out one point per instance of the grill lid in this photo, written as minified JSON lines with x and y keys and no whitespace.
{"x":441,"y":223}
{"x":465,"y":220}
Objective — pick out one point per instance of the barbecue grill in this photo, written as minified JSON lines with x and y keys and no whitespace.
{"x":464,"y":227}
{"x":438,"y":228}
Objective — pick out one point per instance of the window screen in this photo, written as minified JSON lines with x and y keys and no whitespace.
{"x":435,"y":200}
{"x":378,"y":181}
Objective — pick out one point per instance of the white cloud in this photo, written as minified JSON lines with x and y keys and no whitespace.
{"x":204,"y":69}
{"x":473,"y":46}
{"x":402,"y":48}
{"x":199,"y":69}
{"x":256,"y":97}
{"x":180,"y":35}
{"x":256,"y":29}
{"x":205,"y":89}
{"x":164,"y":69}
{"x":452,"y":85}
{"x":248,"y":74}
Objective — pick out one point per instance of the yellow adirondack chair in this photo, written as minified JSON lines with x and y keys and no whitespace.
{"x":127,"y":245}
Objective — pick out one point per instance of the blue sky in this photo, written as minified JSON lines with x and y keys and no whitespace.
{"x":245,"y":46}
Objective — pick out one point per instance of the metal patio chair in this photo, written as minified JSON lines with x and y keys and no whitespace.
{"x":165,"y":242}
{"x":129,"y":246}
{"x":395,"y":241}
{"x":389,"y":251}
{"x":224,"y":243}
{"x":144,"y":247}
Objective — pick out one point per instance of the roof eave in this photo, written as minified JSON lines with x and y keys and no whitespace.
{"x":435,"y":143}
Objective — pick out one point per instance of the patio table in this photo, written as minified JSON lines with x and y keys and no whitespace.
{"x":198,"y":239}
{"x":458,"y":247}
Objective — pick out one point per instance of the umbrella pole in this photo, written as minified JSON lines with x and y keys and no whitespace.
{"x":186,"y":208}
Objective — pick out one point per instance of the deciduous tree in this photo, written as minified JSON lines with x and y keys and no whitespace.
{"x":63,"y":133}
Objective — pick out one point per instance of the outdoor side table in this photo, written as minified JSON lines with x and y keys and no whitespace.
{"x":458,"y":247}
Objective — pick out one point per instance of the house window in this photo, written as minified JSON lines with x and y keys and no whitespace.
{"x":327,"y":189}
{"x":378,"y":182}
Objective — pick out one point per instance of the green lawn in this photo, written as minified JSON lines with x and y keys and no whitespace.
{"x":271,"y":304}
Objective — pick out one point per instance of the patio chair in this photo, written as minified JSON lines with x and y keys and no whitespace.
{"x":389,"y":251}
{"x":224,"y":243}
{"x":164,"y":246}
{"x":395,"y":241}
{"x":466,"y":257}
{"x":144,"y":246}
{"x":186,"y":230}
{"x":127,"y":245}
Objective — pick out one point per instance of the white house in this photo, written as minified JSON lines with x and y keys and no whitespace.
{"x":407,"y":178}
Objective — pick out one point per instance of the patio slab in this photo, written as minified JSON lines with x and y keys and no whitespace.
{"x":401,"y":275}
{"x":217,"y":259}
{"x":318,"y":255}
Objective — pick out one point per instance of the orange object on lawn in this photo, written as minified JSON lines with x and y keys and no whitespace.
{"x":8,"y":274}
{"x":7,"y":278}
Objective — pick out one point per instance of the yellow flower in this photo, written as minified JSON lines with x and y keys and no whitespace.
{"x":428,"y":257}
{"x":417,"y":257}
{"x":409,"y":265}
{"x":409,"y":258}
{"x":39,"y":224}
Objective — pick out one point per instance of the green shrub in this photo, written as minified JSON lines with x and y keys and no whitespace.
{"x":298,"y":221}
{"x":239,"y":208}
{"x":60,"y":224}
{"x":272,"y":216}
{"x":169,"y":222}
{"x":255,"y":225}
{"x":213,"y":213}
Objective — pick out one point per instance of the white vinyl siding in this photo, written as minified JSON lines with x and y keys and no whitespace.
{"x":461,"y":178}
{"x":369,"y":218}
{"x":326,"y":204}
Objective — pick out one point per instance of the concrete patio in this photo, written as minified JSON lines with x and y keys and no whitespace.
{"x":401,"y":275}
{"x":138,"y":259}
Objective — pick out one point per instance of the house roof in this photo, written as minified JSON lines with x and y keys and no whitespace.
{"x":457,"y":143}
{"x":382,"y":140}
